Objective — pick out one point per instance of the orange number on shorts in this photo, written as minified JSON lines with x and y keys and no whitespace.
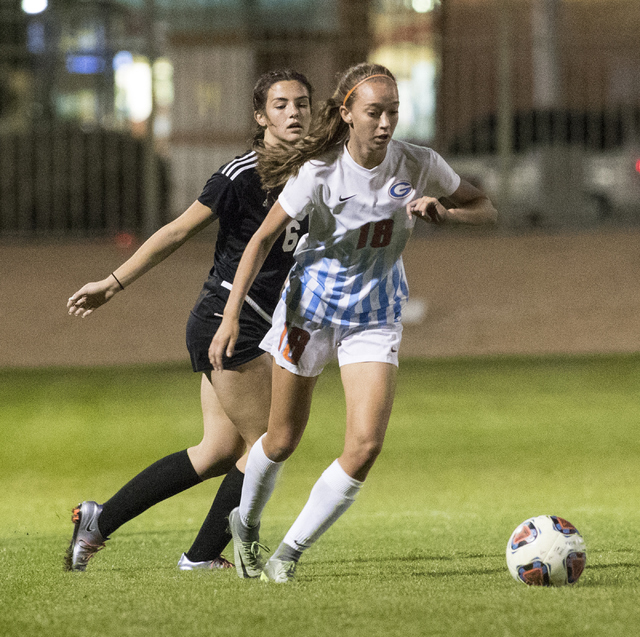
{"x":381,"y":237}
{"x":297,"y":341}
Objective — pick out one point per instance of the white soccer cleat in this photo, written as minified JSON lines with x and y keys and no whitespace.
{"x":87,"y":539}
{"x":185,"y":564}
{"x":278,"y":571}
{"x":246,"y":552}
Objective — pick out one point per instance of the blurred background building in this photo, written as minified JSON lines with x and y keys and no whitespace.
{"x":113,"y":113}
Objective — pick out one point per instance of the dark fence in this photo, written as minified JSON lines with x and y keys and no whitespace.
{"x":74,"y":181}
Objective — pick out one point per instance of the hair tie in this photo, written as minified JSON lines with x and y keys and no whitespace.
{"x":118,"y":282}
{"x":348,"y":95}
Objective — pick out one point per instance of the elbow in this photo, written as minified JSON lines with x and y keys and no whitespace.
{"x":489,"y":214}
{"x":263,"y":243}
{"x":172,"y":234}
{"x":492,"y":214}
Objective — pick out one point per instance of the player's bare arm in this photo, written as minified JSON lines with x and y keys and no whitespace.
{"x":253,"y":258}
{"x":472,"y":206}
{"x":153,"y":251}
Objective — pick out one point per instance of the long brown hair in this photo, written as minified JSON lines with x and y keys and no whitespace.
{"x":328,"y":130}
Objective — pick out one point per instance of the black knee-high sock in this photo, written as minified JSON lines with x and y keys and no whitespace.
{"x":214,"y":535}
{"x":163,"y":479}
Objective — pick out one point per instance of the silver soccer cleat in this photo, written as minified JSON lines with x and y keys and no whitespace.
{"x":87,"y":539}
{"x":185,"y":564}
{"x":246,"y":552}
{"x":278,"y":571}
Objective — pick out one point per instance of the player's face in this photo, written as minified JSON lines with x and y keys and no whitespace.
{"x":287,"y":114}
{"x":373,"y":115}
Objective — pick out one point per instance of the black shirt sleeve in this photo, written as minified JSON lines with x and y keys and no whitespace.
{"x":216,"y":192}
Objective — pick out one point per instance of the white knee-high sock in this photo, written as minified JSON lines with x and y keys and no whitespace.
{"x":331,"y":496}
{"x":260,"y":478}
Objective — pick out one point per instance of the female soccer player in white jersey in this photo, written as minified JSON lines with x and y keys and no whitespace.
{"x":235,"y":401}
{"x":361,"y":191}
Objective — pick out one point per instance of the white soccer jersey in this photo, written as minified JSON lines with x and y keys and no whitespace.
{"x":348,"y":270}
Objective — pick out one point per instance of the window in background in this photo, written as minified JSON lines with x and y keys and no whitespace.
{"x":405,"y":42}
{"x":163,"y":84}
{"x":79,"y":65}
{"x":132,"y":87}
{"x":77,"y":105}
{"x":133,"y":90}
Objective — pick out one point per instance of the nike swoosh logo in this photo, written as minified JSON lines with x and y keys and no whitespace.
{"x":346,"y":198}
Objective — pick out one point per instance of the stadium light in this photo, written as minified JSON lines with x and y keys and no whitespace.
{"x":424,"y":6}
{"x":34,"y":6}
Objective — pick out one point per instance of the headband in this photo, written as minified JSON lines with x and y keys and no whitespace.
{"x":348,"y":95}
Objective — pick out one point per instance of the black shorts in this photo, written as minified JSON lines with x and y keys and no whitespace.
{"x":204,"y":322}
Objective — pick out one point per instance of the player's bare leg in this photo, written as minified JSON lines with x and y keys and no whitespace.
{"x":244,"y":395}
{"x":235,"y":402}
{"x":290,"y":409}
{"x":221,"y":445}
{"x":369,"y":390}
{"x":290,"y":406}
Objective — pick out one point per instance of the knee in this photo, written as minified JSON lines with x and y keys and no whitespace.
{"x":279,"y":448}
{"x":370,"y":450}
{"x":211,"y":462}
{"x":364,"y":452}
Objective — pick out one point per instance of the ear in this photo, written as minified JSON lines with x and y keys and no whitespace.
{"x":345,"y":113}
{"x":261,"y":118}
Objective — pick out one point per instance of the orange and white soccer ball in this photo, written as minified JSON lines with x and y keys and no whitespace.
{"x":546,"y":551}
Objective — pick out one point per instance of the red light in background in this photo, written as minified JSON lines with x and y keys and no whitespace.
{"x":124,"y":240}
{"x":638,"y":166}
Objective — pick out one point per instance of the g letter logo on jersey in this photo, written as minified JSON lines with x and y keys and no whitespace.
{"x":400,"y":189}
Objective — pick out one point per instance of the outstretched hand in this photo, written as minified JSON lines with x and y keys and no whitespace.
{"x":427,"y":208}
{"x":90,"y":297}
{"x":223,"y":343}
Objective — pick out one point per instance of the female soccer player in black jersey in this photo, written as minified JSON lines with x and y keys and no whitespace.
{"x":236,"y":400}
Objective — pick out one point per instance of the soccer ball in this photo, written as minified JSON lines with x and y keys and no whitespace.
{"x":546,"y":551}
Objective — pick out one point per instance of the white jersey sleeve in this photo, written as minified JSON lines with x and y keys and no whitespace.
{"x":442,"y":180}
{"x":297,"y":196}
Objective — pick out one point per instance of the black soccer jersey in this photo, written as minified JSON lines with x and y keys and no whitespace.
{"x":234,"y":192}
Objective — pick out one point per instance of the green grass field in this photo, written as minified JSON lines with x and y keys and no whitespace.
{"x":474,"y":447}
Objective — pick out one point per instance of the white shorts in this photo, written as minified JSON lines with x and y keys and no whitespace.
{"x":304,"y":348}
